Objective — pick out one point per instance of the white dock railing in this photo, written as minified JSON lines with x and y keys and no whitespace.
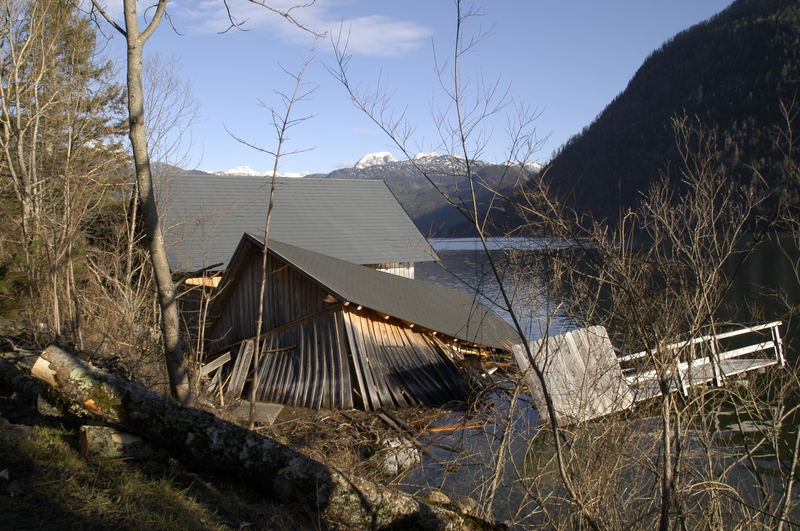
{"x":706,"y":351}
{"x":585,"y":379}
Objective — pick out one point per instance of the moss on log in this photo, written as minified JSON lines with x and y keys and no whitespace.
{"x":205,"y":440}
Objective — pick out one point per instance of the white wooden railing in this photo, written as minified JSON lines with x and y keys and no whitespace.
{"x":712,"y":355}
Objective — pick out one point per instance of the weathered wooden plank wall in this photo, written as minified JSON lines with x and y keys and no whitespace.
{"x":316,"y":354}
{"x":342,"y":359}
{"x":241,"y":368}
{"x":289,"y":296}
{"x":398,"y":367}
{"x":306,"y":366}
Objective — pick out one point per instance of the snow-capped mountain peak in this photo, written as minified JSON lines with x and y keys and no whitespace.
{"x":294,"y":174}
{"x":530,"y":165}
{"x":426,"y":155}
{"x":247,"y":171}
{"x":241,"y":171}
{"x":374,"y":159}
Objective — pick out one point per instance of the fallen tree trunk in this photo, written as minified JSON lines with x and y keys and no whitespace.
{"x":15,"y":380}
{"x":207,"y":441}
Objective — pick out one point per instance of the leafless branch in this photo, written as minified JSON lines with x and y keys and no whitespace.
{"x":98,"y":7}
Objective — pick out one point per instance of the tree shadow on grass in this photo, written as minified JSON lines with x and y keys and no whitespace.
{"x":46,"y":484}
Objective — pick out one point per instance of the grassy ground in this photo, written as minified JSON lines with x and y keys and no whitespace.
{"x":46,"y":484}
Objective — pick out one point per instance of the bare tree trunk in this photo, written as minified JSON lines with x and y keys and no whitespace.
{"x":282,"y":126}
{"x":666,"y":468}
{"x":170,"y":319}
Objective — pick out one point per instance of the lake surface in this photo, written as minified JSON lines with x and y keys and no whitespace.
{"x":765,"y":283}
{"x":765,"y":276}
{"x":465,"y":266}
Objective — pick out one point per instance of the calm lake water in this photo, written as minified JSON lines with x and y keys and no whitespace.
{"x":766,"y":275}
{"x":765,"y":283}
{"x":465,"y":266}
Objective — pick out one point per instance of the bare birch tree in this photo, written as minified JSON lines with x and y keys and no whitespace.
{"x":282,"y":122}
{"x":120,"y":299}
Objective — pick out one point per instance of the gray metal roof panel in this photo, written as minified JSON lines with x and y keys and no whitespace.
{"x":358,"y":220}
{"x":432,"y":306}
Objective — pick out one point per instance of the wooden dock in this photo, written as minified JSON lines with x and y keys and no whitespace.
{"x":586,"y":379}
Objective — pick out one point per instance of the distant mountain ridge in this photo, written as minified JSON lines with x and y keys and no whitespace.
{"x":730,"y":73}
{"x":430,"y":211}
{"x":424,"y":204}
{"x":247,"y":171}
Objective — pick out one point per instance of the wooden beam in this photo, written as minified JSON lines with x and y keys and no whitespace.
{"x":215,"y":364}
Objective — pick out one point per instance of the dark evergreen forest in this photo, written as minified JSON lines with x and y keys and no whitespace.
{"x":730,"y":74}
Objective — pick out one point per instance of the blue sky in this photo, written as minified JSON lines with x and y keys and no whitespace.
{"x":565,"y":60}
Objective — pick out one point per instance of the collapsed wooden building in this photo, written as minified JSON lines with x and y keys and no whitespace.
{"x":340,"y":335}
{"x":339,"y":331}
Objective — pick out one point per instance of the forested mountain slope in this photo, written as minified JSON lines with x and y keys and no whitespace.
{"x":730,"y":73}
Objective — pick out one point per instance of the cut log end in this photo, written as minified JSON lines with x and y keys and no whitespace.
{"x":42,"y":370}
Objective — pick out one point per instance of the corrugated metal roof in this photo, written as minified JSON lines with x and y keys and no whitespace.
{"x":357,"y":220}
{"x":431,"y":306}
